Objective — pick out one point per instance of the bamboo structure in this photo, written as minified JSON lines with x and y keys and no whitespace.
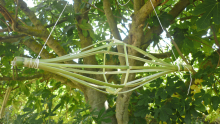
{"x":74,"y":71}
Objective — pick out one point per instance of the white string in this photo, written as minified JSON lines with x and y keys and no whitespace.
{"x":171,"y":48}
{"x":36,"y":63}
{"x":123,"y":4}
{"x":190,"y":80}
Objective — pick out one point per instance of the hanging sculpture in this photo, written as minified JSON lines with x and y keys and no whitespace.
{"x":74,"y":71}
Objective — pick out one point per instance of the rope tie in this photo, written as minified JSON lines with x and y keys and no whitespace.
{"x":31,"y":64}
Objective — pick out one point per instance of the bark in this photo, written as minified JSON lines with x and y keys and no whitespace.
{"x":95,"y":98}
{"x":145,"y":10}
{"x":113,"y":27}
{"x":135,"y":37}
{"x":35,"y":47}
{"x":2,"y":2}
{"x":138,"y":4}
{"x":4,"y":103}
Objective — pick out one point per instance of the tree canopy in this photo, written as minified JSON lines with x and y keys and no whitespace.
{"x":182,"y":32}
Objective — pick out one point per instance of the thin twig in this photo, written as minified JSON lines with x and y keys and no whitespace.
{"x":177,"y":48}
{"x":9,"y":29}
{"x":22,"y":22}
{"x":164,"y":2}
{"x":215,"y":37}
{"x":16,"y":12}
{"x":200,"y":42}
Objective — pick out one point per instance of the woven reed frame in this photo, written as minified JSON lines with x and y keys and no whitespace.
{"x":74,"y":71}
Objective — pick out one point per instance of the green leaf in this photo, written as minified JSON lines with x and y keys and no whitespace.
{"x":25,"y":89}
{"x":28,"y":109}
{"x":207,"y":99}
{"x":215,"y":102}
{"x":101,"y":112}
{"x":206,"y":6}
{"x":216,"y":13}
{"x":210,"y":8}
{"x":204,"y":21}
{"x":39,"y":121}
{"x":167,"y":110}
{"x":67,"y":28}
{"x":162,"y":93}
{"x":163,"y":115}
{"x":82,"y":5}
{"x":92,"y":35}
{"x":56,"y":107}
{"x":142,"y":112}
{"x":165,"y":19}
{"x":32,"y":118}
{"x":108,"y":114}
{"x":188,"y":118}
{"x":60,"y":5}
{"x":60,"y":122}
{"x":201,"y":108}
{"x":194,"y":113}
{"x":85,"y":33}
{"x":156,"y":112}
{"x":85,"y":26}
{"x":106,"y":120}
{"x":46,"y":93}
{"x":140,"y":121}
{"x":27,"y":38}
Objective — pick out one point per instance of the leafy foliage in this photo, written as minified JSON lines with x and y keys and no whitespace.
{"x":209,"y":8}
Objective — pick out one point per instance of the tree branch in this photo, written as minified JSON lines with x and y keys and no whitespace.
{"x":164,"y":2}
{"x":177,"y":48}
{"x":138,"y":4}
{"x":2,"y":2}
{"x":4,"y":30}
{"x":215,"y":37}
{"x":35,"y":47}
{"x":161,"y":55}
{"x":30,"y":14}
{"x":110,"y":18}
{"x":59,"y":22}
{"x":11,"y":39}
{"x":8,"y":27}
{"x":48,"y":26}
{"x":176,"y":10}
{"x":4,"y":103}
{"x":113,"y":27}
{"x":145,"y":10}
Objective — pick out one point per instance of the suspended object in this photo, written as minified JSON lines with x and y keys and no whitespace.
{"x":75,"y":72}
